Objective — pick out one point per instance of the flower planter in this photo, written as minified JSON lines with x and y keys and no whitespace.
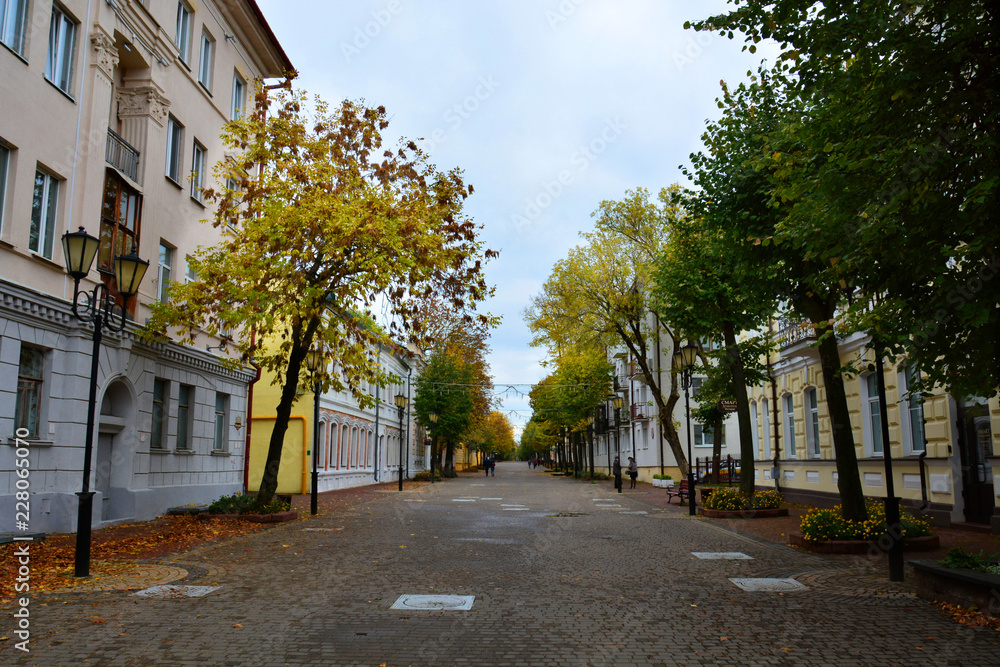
{"x":928,"y":543}
{"x":278,"y":517}
{"x":743,"y":514}
{"x":967,"y":588}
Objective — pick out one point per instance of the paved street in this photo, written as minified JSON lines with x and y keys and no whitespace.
{"x":562,"y":573}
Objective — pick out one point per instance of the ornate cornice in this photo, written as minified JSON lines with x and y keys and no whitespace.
{"x":105,"y":52}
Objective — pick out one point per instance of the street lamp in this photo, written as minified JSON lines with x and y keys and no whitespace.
{"x":401,"y":407}
{"x":100,"y":308}
{"x":590,"y":443}
{"x":684,"y":360}
{"x":434,"y":420}
{"x":616,"y":403}
{"x":316,"y":362}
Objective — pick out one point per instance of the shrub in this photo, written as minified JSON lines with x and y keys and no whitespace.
{"x":662,"y":477}
{"x":829,"y":524}
{"x":247,"y":504}
{"x":731,"y":499}
{"x":960,"y":558}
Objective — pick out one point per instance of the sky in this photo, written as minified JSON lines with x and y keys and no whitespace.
{"x":549,"y":106}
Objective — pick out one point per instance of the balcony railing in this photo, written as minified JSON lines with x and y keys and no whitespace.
{"x":121,"y":155}
{"x":639,"y":411}
{"x":792,"y":332}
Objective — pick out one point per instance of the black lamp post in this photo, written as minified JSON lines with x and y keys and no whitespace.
{"x":434,"y":420}
{"x":316,"y":362}
{"x":590,"y":443}
{"x":616,"y":403}
{"x":100,"y":308}
{"x":684,"y":360}
{"x":401,"y":407}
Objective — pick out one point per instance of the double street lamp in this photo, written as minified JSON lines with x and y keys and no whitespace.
{"x":401,"y":407}
{"x":684,"y":360}
{"x":316,"y":362}
{"x":101,"y":308}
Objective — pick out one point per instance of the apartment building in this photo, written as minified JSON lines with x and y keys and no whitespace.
{"x":944,"y":448}
{"x":110,"y":121}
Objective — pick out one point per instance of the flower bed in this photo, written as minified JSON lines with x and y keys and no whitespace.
{"x":743,"y":514}
{"x":969,"y":588}
{"x":827,"y":531}
{"x":871,"y":547}
{"x":731,"y":502}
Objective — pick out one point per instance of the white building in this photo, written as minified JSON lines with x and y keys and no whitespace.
{"x":110,"y":121}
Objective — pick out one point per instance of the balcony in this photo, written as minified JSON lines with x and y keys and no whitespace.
{"x":121,"y":155}
{"x":792,"y":333}
{"x":639,"y":411}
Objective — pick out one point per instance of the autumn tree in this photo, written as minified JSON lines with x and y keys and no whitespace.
{"x":493,"y":435}
{"x":322,"y":220}
{"x":600,"y":295}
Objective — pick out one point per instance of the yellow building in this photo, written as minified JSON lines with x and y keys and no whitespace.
{"x":943,"y":448}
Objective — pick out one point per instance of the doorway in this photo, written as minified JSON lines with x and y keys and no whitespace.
{"x":975,"y":439}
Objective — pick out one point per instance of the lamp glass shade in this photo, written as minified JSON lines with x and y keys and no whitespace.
{"x":689,"y":354}
{"x":400,"y":401}
{"x":590,"y":419}
{"x":314,"y":360}
{"x":678,"y":361}
{"x":433,"y":417}
{"x":617,"y":402}
{"x":79,"y":249}
{"x":129,"y":271}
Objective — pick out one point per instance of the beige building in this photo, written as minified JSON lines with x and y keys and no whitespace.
{"x":110,"y":120}
{"x":943,"y":448}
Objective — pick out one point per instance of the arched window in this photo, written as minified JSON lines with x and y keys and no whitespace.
{"x":788,"y":422}
{"x":320,"y":445}
{"x":755,"y":424}
{"x":872,"y":415}
{"x":343,"y":445}
{"x":766,"y":431}
{"x":812,"y":422}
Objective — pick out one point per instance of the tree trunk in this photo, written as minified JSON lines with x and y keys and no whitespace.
{"x":747,"y":472}
{"x":301,"y":342}
{"x":590,"y":443}
{"x":717,"y":447}
{"x":852,"y":497}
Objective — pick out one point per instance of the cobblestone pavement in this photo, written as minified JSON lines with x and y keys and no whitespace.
{"x":563,"y":573}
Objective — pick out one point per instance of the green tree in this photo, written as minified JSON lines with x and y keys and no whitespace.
{"x":332,"y":223}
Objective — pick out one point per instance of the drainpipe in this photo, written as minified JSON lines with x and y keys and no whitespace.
{"x":659,"y":381}
{"x":409,"y":421}
{"x":775,"y":473}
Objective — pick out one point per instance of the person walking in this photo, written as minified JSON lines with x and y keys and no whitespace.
{"x":633,"y":471}
{"x":493,"y":466}
{"x":616,"y":469}
{"x":486,"y":465}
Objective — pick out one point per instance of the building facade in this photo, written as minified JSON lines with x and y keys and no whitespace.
{"x":111,"y":121}
{"x":357,"y":446}
{"x":943,"y":448}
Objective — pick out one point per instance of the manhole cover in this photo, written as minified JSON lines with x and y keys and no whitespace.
{"x":720,"y":555}
{"x":769,"y":585}
{"x":435,"y":602}
{"x":169,"y":591}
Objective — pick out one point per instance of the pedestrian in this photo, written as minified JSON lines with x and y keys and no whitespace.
{"x":493,"y":466}
{"x":633,"y":471}
{"x":486,"y":465}
{"x":617,"y":471}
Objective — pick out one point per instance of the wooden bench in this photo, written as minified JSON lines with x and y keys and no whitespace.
{"x":681,"y":491}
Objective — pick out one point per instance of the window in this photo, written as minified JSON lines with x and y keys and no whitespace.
{"x":812,"y":423}
{"x":185,"y":396}
{"x":913,"y":419}
{"x":13,"y":21}
{"x":175,"y":137}
{"x":182,"y":36}
{"x":207,"y":61}
{"x":163,"y":276}
{"x":873,"y":420}
{"x":788,"y":417}
{"x":704,"y":437}
{"x":755,"y":424}
{"x":239,"y":97}
{"x":696,"y":386}
{"x":160,"y":391}
{"x":29,"y":391}
{"x":197,"y":170}
{"x":190,"y":275}
{"x":766,"y":431}
{"x":62,"y":40}
{"x":220,"y":441}
{"x":4,"y":167}
{"x":43,"y":214}
{"x":120,"y":218}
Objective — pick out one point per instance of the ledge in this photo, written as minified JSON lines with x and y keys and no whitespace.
{"x":929,"y":543}
{"x":16,"y":442}
{"x":220,"y":452}
{"x":743,"y":514}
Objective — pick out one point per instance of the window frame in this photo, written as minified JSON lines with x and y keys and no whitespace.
{"x":175,"y":149}
{"x":788,"y":424}
{"x":44,"y":223}
{"x":115,"y":233}
{"x":913,"y":406}
{"x":183,"y":31}
{"x":206,"y":60}
{"x":13,"y":25}
{"x":61,"y":52}
{"x":872,"y":416}
{"x":185,"y":412}
{"x":29,"y":384}
{"x":159,"y":414}
{"x":220,"y":436}
{"x":5,"y":158}
{"x":165,"y":266}
{"x":198,"y":160}
{"x":812,"y":422}
{"x":239,"y":100}
{"x":766,"y":429}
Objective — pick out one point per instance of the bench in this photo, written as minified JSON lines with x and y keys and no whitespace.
{"x":681,"y":491}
